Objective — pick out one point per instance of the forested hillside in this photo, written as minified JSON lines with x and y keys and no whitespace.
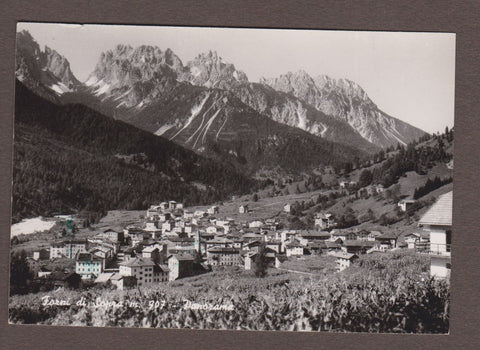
{"x":71,"y":158}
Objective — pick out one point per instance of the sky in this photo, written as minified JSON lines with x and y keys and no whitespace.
{"x":410,"y":76}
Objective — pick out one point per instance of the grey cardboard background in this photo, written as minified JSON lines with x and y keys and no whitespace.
{"x":460,"y":17}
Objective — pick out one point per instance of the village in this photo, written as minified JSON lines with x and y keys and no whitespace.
{"x":172,"y":242}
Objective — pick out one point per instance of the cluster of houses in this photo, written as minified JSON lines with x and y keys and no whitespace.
{"x":173,"y":243}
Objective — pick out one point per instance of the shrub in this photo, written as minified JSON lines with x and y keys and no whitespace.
{"x":381,"y":293}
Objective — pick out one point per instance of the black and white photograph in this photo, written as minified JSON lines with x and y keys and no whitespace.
{"x":232,"y":178}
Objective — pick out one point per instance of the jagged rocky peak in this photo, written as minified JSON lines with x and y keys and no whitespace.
{"x":345,"y":100}
{"x":325,"y":82}
{"x":36,"y":67}
{"x":131,"y":76}
{"x":210,"y":70}
{"x":60,"y":67}
{"x":27,"y":58}
{"x":352,"y":89}
{"x":299,"y":84}
{"x":126,"y":65}
{"x":304,"y":86}
{"x":26,"y":43}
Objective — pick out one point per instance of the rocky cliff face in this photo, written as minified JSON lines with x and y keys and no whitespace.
{"x":289,"y":110}
{"x":134,"y":77}
{"x":346,"y":100}
{"x":216,"y":123}
{"x":40,"y":70}
{"x":210,"y":70}
{"x":340,"y":110}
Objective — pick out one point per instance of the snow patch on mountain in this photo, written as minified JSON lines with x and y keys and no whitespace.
{"x":101,"y":87}
{"x":91,"y":81}
{"x":60,"y":88}
{"x":163,"y":129}
{"x":195,"y":110}
{"x":195,"y":71}
{"x":301,"y":117}
{"x":209,"y":124}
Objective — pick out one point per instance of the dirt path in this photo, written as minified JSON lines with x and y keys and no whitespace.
{"x":294,"y":271}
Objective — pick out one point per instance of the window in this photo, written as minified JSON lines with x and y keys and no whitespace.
{"x":449,"y":266}
{"x":449,"y":239}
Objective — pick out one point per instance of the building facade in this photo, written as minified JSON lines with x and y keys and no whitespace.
{"x":437,"y":221}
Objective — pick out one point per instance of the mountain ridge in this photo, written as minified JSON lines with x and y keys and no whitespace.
{"x":127,"y":80}
{"x":35,"y":67}
{"x":346,"y":100}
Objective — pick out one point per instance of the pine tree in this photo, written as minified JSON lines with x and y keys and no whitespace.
{"x":261,"y":261}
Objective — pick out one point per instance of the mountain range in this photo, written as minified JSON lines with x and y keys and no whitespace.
{"x":211,"y":107}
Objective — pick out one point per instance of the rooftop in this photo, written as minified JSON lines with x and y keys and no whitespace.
{"x":104,"y":277}
{"x":342,"y":255}
{"x":440,"y":213}
{"x":138,"y":262}
{"x":388,"y":235}
{"x":87,"y":257}
{"x":315,"y":234}
{"x":223,"y":250}
{"x":358,"y":243}
{"x":182,"y":257}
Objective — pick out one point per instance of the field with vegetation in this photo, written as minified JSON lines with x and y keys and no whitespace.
{"x":389,"y":292}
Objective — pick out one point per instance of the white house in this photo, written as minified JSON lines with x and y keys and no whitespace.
{"x":67,"y":249}
{"x":412,"y":239}
{"x":255,"y":224}
{"x":438,"y":222}
{"x":293,"y":249}
{"x":243,"y":209}
{"x":43,"y":272}
{"x":41,"y":254}
{"x":286,"y":235}
{"x":213,"y":210}
{"x":88,"y":265}
{"x":199,"y":213}
{"x":144,"y":270}
{"x":167,"y":226}
{"x":344,"y":260}
{"x":164,"y":217}
{"x":153,"y":211}
{"x":224,"y":256}
{"x":249,"y":260}
{"x":287,"y":208}
{"x":211,"y":229}
{"x":404,"y":204}
{"x":151,"y":225}
{"x":187,"y":214}
{"x":179,"y":265}
{"x":348,"y":184}
{"x":324,"y":220}
{"x":121,"y":282}
{"x":163,"y":206}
